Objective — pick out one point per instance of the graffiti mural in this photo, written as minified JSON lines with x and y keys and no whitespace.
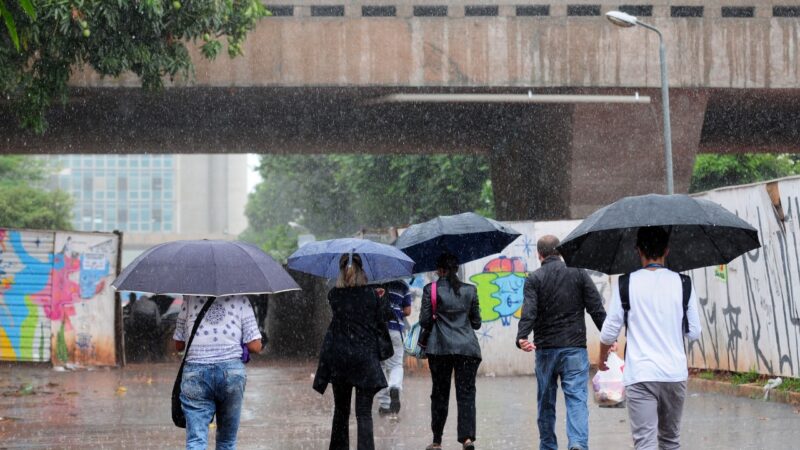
{"x":749,"y":308}
{"x":54,"y":295}
{"x":500,"y":288}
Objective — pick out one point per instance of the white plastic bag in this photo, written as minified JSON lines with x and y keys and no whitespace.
{"x":608,"y":387}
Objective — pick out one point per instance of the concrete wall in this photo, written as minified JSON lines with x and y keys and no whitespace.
{"x":750,"y":309}
{"x":508,"y":50}
{"x":56,"y":300}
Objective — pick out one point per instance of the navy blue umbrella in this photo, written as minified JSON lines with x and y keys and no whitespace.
{"x":381,"y":262}
{"x":206,"y":267}
{"x":468,"y":236}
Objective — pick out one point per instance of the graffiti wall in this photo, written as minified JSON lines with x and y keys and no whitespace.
{"x":749,"y":309}
{"x":56,"y":302}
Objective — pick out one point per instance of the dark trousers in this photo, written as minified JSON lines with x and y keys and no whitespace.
{"x":442,"y":369}
{"x":340,"y":439}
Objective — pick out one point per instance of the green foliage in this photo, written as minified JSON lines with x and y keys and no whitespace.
{"x":146,"y":37}
{"x":790,"y":384}
{"x":706,"y":375}
{"x":336,"y":195}
{"x":748,"y":377}
{"x":712,"y":171}
{"x":24,"y":203}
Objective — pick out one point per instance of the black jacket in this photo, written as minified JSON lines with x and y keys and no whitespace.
{"x":457,"y":316}
{"x":555,"y":299}
{"x":350,"y":353}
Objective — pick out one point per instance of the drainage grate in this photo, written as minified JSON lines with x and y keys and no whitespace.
{"x":481,"y":10}
{"x":738,"y":11}
{"x":430,"y":11}
{"x":533,"y":10}
{"x":686,"y":11}
{"x":378,"y":11}
{"x":637,"y":10}
{"x":583,"y":10}
{"x":327,"y":11}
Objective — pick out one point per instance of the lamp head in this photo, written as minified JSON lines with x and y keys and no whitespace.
{"x":621,"y":19}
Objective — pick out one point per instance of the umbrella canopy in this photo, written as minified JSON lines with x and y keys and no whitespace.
{"x":468,"y":236}
{"x":381,"y":262}
{"x":702,"y":233}
{"x":205,"y":267}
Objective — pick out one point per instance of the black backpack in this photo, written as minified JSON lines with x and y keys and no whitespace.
{"x":624,"y":296}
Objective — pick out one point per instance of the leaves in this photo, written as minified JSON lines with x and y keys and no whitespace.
{"x":336,"y":195}
{"x":146,"y":37}
{"x":712,"y":171}
{"x":24,"y":203}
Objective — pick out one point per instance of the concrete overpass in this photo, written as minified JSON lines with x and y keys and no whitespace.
{"x":310,"y":74}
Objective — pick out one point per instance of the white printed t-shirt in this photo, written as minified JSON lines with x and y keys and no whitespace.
{"x":227,"y":323}
{"x":655,"y":349}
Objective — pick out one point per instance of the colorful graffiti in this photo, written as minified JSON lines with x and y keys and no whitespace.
{"x":39,"y":291}
{"x":500,"y":289}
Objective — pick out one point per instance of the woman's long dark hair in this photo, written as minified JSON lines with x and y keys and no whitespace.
{"x":448,"y":264}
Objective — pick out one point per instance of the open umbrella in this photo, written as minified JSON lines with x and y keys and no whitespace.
{"x":468,"y":236}
{"x":702,"y":233}
{"x":381,"y":262}
{"x":205,"y":267}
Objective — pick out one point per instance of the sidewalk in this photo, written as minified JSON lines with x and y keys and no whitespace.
{"x":129,"y":408}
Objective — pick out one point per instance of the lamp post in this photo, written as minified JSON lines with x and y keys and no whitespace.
{"x":626,"y":20}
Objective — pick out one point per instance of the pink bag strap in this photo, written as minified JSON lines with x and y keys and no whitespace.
{"x":433,"y":299}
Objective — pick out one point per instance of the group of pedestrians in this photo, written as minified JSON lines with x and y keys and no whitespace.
{"x":657,"y":306}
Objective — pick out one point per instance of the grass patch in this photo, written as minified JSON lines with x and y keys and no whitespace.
{"x":790,"y":384}
{"x":706,"y":375}
{"x":745,"y":377}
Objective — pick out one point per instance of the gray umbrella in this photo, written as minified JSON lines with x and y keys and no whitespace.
{"x":702,"y":233}
{"x":205,"y":267}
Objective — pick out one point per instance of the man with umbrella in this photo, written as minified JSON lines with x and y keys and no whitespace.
{"x":556,"y":297}
{"x":658,"y":308}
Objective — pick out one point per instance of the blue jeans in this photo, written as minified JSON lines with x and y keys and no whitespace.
{"x":571,"y":364}
{"x":208,"y":389}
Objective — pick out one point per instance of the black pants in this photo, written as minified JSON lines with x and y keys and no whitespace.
{"x":442,"y":369}
{"x":340,"y":439}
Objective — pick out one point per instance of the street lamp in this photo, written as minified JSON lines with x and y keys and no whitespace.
{"x":622,"y":19}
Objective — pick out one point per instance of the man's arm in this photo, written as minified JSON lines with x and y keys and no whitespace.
{"x":528,"y":317}
{"x":693,"y":316}
{"x":593,"y":301}
{"x":611,"y":328}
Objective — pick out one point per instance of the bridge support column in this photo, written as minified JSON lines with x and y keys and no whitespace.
{"x":617,"y":149}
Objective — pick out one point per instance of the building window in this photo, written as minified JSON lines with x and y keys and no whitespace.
{"x":481,"y":11}
{"x":583,"y":10}
{"x":281,"y":10}
{"x":686,"y":11}
{"x":637,"y":10}
{"x":378,"y":11}
{"x":327,"y":10}
{"x":430,"y":11}
{"x":786,"y":11}
{"x":738,"y":11}
{"x":533,"y":10}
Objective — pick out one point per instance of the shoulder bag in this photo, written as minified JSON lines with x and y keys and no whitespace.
{"x":416,"y":340}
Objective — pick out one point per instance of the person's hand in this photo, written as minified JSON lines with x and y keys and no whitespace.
{"x":526,"y":345}
{"x":601,"y":366}
{"x":613,"y":348}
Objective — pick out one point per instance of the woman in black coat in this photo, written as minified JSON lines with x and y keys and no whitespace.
{"x":452,"y":349}
{"x":350,"y":352}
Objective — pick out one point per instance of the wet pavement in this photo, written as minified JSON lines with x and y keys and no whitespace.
{"x":130,"y":408}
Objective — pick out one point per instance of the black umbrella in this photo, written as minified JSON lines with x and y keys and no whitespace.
{"x":206,"y":267}
{"x":468,"y":236}
{"x":702,"y":233}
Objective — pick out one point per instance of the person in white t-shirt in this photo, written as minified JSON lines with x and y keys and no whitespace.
{"x":214,"y":377}
{"x":656,"y":371}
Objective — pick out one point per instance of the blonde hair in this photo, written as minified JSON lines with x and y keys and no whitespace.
{"x":350,"y":275}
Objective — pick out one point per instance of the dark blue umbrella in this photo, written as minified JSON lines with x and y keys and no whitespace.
{"x":206,"y":267}
{"x":468,"y":236}
{"x":702,"y":233}
{"x":381,"y":262}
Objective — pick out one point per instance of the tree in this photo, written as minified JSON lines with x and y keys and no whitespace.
{"x":24,"y":203}
{"x":146,"y":37}
{"x":336,"y":195}
{"x":712,"y":171}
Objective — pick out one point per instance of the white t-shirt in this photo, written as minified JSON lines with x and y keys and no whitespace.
{"x":655,"y":349}
{"x":227,"y":323}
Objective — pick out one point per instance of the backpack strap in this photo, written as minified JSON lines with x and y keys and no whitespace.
{"x":433,"y":299}
{"x":686,"y":284}
{"x":624,"y":297}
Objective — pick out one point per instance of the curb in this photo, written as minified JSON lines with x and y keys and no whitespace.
{"x":752,"y":391}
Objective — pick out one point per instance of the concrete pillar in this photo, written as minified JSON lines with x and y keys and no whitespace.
{"x":530,"y":164}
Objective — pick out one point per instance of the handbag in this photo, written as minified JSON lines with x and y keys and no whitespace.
{"x":177,"y":412}
{"x":416,"y":341}
{"x":385,"y":347}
